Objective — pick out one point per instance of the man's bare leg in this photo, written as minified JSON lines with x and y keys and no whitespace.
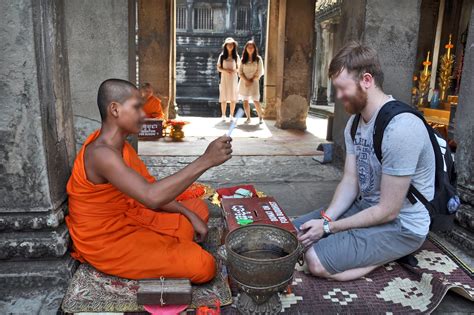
{"x":318,"y":270}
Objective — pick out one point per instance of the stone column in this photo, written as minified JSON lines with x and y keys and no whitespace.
{"x":231,"y":16}
{"x":173,"y":106}
{"x":386,"y":23}
{"x":298,"y":63}
{"x":189,"y":16}
{"x":154,"y":48}
{"x":317,"y":63}
{"x":464,"y":128}
{"x":98,"y":47}
{"x":37,"y":154}
{"x":271,"y":94}
{"x":330,"y":29}
{"x":382,"y":24}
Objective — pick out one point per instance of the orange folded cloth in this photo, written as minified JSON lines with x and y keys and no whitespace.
{"x":119,"y":236}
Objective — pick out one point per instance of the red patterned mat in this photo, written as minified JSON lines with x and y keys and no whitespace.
{"x":393,"y":288}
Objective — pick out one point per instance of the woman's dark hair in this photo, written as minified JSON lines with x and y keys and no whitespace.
{"x":225,"y":54}
{"x":245,"y":54}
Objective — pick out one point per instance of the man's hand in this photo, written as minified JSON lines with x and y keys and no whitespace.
{"x":311,"y":232}
{"x":218,"y":151}
{"x":200,"y":227}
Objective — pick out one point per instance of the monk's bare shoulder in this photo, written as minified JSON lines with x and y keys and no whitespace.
{"x":99,"y":161}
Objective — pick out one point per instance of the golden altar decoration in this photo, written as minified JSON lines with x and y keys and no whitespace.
{"x":424,"y":82}
{"x":445,"y":71}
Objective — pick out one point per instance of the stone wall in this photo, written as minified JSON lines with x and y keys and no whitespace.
{"x":36,"y":151}
{"x":350,"y":27}
{"x":392,"y":29}
{"x":464,"y":132}
{"x":97,"y":43}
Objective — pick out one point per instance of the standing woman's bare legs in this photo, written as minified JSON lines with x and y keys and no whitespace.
{"x":223,"y":109}
{"x":232,"y":109}
{"x":259,"y":110}
{"x":247,"y":110}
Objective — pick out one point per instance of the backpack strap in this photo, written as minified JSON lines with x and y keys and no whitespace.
{"x":384,"y":116}
{"x":355,"y":124}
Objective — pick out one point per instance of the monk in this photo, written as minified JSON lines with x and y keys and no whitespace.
{"x":152,"y":107}
{"x":121,"y":219}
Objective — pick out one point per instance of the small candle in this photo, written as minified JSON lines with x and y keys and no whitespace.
{"x":449,"y":46}
{"x":427,"y":63}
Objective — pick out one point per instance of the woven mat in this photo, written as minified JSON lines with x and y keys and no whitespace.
{"x":93,"y":291}
{"x":393,"y":288}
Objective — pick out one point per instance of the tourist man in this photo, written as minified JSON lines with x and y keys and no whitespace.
{"x":121,"y":219}
{"x":370,"y":221}
{"x":152,"y":106}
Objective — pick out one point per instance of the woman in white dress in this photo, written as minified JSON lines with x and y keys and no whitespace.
{"x":228,"y":66}
{"x":250,"y":71}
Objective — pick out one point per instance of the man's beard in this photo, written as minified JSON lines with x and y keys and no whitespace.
{"x":357,"y":102}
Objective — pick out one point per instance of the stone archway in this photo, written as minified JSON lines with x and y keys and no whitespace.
{"x":288,"y":57}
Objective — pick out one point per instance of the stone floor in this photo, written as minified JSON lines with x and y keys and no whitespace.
{"x":248,"y":139}
{"x":299,"y":184}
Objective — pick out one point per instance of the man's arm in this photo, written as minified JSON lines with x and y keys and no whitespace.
{"x":393,"y":191}
{"x":346,"y":191}
{"x":109,"y":165}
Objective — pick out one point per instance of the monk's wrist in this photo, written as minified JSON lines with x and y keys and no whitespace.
{"x":202,"y":163}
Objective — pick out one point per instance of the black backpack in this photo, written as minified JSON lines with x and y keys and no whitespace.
{"x":446,"y":200}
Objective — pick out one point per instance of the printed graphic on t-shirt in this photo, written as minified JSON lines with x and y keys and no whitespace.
{"x":365,"y":153}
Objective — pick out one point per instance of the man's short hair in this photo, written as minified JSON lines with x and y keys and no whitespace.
{"x":357,"y":59}
{"x":113,"y":90}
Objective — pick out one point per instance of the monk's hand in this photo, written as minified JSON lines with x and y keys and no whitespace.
{"x":311,"y":232}
{"x":218,"y":151}
{"x":200,"y":228}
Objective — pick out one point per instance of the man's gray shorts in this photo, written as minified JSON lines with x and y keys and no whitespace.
{"x":363,"y":247}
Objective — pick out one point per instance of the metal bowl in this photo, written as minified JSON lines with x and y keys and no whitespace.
{"x":262,"y":256}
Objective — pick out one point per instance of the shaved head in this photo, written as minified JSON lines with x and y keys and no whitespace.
{"x":113,"y":90}
{"x":146,"y":85}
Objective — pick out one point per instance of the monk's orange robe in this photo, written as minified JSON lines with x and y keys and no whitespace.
{"x":153,"y":108}
{"x":118,"y":235}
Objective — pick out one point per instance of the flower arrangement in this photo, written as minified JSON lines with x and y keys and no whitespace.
{"x":174,"y":129}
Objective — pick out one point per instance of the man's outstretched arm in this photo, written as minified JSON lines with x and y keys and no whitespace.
{"x":109,"y":164}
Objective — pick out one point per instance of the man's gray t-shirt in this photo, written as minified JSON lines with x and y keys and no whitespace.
{"x":406,"y":151}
